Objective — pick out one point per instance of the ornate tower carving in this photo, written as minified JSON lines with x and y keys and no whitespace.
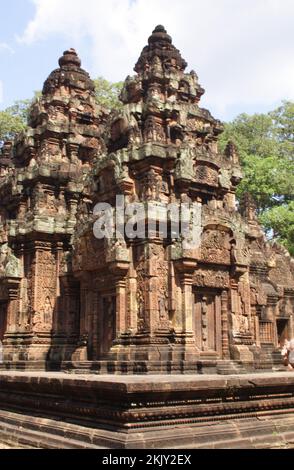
{"x":39,"y":199}
{"x":149,"y":297}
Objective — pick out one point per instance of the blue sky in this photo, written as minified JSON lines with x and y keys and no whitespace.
{"x":241,"y":50}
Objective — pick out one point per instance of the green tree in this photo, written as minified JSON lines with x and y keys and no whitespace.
{"x":13,"y":119}
{"x":107,"y":93}
{"x":266,"y":143}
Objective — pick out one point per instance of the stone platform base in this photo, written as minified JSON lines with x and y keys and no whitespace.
{"x":207,"y":366}
{"x":59,"y":410}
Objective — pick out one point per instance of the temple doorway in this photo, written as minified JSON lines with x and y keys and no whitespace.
{"x":282,"y":330}
{"x":3,"y":319}
{"x":107,"y":324}
{"x":207,"y":321}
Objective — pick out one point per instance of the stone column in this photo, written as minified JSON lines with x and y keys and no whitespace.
{"x":132,"y":321}
{"x":225,"y":329}
{"x":83,"y":297}
{"x":119,"y":270}
{"x":184,"y":336}
{"x":95,"y":325}
{"x":120,"y":287}
{"x":13,"y":304}
{"x":151,"y":307}
{"x":257,"y":339}
{"x":184,"y":316}
{"x":11,"y":350}
{"x":58,"y":253}
{"x":187,"y":302}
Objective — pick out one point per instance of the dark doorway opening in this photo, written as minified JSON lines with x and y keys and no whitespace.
{"x":282,"y":330}
{"x":3,"y":319}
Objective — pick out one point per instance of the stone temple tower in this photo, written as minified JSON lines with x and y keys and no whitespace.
{"x":151,"y":300}
{"x":40,"y":192}
{"x":146,"y":300}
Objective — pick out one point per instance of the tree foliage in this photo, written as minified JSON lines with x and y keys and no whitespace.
{"x":107,"y":93}
{"x":14,"y":119}
{"x":266,"y":148}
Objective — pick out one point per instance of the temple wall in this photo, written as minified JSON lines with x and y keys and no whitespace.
{"x":69,"y":299}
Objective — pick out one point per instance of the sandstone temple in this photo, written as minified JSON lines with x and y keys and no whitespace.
{"x":69,"y":301}
{"x":137,"y":341}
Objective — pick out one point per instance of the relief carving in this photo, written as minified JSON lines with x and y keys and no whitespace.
{"x":58,"y":280}
{"x":211,"y":278}
{"x":215,"y":247}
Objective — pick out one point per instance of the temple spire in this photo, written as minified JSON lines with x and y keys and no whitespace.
{"x":160,"y":45}
{"x":69,"y":74}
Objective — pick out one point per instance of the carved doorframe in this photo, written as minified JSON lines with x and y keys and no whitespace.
{"x":3,"y":319}
{"x":207,"y":320}
{"x":106,"y":323}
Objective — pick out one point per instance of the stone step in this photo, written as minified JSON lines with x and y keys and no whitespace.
{"x":231,"y":367}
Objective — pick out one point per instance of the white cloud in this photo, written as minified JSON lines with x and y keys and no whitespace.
{"x":5,"y":47}
{"x":242,"y":51}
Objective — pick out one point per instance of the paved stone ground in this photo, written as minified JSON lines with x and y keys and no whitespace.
{"x":148,"y":378}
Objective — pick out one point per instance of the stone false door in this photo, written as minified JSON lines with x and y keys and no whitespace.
{"x":106,"y":324}
{"x":207,"y":324}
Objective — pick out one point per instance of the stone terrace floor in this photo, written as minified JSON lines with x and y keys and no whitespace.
{"x":150,"y":378}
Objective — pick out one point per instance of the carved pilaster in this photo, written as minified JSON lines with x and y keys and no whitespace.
{"x":204,"y":324}
{"x":12,"y":288}
{"x":120,"y":288}
{"x":186,"y":267}
{"x":45,"y":284}
{"x":225,"y":327}
{"x":132,"y":321}
{"x":187,"y":303}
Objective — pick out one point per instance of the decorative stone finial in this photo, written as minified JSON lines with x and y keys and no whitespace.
{"x":69,"y":73}
{"x":160,"y":45}
{"x":70,"y":57}
{"x":159,"y":34}
{"x":159,"y":29}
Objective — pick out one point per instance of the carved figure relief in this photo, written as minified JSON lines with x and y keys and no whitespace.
{"x":215,"y":247}
{"x":207,"y":320}
{"x":206,"y":175}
